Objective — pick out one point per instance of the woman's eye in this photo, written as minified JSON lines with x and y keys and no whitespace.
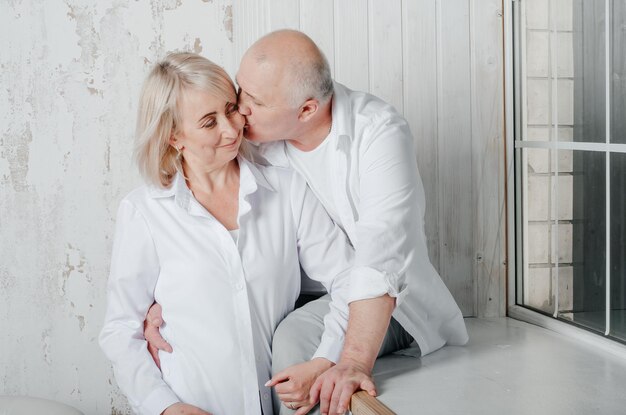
{"x":209,"y":124}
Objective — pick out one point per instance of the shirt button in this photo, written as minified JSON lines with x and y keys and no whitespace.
{"x":266,"y":396}
{"x":239,"y":286}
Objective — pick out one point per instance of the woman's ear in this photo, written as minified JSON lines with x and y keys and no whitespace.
{"x":308,"y":109}
{"x":174,"y":141}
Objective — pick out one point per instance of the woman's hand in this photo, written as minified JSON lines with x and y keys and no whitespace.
{"x":294,"y":383}
{"x":184,"y":409}
{"x":151,"y":333}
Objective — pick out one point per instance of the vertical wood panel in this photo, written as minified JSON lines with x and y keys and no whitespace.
{"x":455,"y":151}
{"x":284,"y":14}
{"x":250,"y":22}
{"x":317,"y":21}
{"x":487,"y":156}
{"x":420,"y":104}
{"x":385,"y":51}
{"x":351,"y":45}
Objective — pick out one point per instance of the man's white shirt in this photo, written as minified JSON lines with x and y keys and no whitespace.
{"x":223,"y":294}
{"x":377,"y":197}
{"x":300,"y":160}
{"x":312,"y":165}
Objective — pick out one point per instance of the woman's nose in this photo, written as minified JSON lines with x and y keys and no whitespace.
{"x":232,"y":126}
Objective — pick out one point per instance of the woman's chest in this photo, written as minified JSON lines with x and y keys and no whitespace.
{"x":199,"y":253}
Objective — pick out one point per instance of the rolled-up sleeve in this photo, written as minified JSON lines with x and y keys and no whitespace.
{"x":327,"y":256}
{"x":391,"y":211}
{"x":130,"y":293}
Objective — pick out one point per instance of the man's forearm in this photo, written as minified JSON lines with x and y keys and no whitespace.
{"x":367,"y":325}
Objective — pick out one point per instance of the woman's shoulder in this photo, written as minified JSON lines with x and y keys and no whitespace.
{"x":138,"y":194}
{"x":142,"y":197}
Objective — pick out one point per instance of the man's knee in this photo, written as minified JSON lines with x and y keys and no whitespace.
{"x":284,"y":343}
{"x":298,"y":336}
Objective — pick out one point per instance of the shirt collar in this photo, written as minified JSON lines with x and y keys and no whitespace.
{"x":249,"y":177}
{"x":175,"y":187}
{"x":250,"y":172}
{"x":342,"y":112}
{"x":273,"y":153}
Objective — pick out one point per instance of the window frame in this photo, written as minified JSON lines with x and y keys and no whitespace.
{"x":514,"y":162}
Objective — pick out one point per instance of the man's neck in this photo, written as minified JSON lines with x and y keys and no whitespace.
{"x":318,"y":132}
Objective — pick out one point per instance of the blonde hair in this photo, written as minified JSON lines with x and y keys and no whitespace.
{"x":159,"y":110}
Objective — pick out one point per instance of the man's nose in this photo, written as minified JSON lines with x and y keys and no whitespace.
{"x":244,"y":108}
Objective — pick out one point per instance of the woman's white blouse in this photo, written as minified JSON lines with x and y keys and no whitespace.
{"x":221,"y":299}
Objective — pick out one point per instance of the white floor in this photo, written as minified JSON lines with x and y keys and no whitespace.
{"x":508,"y":367}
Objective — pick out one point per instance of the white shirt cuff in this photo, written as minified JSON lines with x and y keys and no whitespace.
{"x":158,"y":401}
{"x":366,"y":283}
{"x":329,"y":348}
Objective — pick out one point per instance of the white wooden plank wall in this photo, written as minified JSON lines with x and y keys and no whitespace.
{"x":351,"y":44}
{"x":454,"y":151}
{"x":385,"y":51}
{"x":488,"y":155}
{"x":317,"y":20}
{"x":440,"y":64}
{"x":420,"y":109}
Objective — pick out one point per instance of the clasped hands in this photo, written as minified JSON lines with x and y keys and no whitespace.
{"x":300,"y":386}
{"x":320,"y":381}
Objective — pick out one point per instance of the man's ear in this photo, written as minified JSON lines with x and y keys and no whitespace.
{"x":308,"y":109}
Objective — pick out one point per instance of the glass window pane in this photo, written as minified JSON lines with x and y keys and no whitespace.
{"x":582,"y":241}
{"x":618,"y":245}
{"x":537,"y":193}
{"x":589,"y":84}
{"x":618,"y":71}
{"x":563,"y":204}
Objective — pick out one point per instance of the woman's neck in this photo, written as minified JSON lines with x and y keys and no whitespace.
{"x":210,"y":179}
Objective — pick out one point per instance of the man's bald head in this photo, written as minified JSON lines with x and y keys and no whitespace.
{"x":299,"y":65}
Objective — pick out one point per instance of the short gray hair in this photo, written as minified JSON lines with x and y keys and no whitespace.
{"x":306,"y":69}
{"x":311,"y":79}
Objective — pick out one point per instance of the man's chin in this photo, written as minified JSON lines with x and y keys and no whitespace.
{"x":249,"y":135}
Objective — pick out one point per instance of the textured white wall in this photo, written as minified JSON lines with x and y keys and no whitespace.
{"x":70,"y":73}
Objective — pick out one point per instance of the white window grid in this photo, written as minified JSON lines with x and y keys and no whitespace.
{"x":515,"y":112}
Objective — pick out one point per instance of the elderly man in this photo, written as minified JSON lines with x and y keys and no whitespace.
{"x":356,"y":153}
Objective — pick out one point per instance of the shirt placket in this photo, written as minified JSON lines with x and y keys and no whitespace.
{"x":243,"y":324}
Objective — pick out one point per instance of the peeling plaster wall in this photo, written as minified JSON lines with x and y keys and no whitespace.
{"x":70,"y":74}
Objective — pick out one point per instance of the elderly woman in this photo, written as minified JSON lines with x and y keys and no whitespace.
{"x":215,"y":239}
